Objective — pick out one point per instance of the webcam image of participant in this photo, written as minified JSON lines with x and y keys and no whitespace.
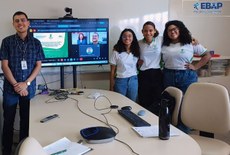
{"x":79,"y":38}
{"x":98,"y":38}
{"x":95,"y":38}
{"x":89,"y":50}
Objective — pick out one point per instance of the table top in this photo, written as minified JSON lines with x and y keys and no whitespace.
{"x":71,"y":120}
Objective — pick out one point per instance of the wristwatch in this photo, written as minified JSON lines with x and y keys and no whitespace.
{"x":28,"y":83}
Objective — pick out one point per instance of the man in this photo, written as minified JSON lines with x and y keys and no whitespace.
{"x":95,"y":38}
{"x":21,"y":56}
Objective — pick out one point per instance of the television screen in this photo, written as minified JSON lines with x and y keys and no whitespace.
{"x":72,"y":41}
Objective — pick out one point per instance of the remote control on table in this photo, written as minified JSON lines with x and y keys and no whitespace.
{"x":48,"y":118}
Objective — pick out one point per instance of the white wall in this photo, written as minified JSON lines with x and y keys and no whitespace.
{"x":212,"y":30}
{"x":129,"y":13}
{"x":121,"y":14}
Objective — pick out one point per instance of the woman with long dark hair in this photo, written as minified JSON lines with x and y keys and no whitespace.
{"x":123,"y":62}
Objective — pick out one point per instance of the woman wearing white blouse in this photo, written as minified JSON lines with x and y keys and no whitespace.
{"x":123,"y":62}
{"x":150,"y":77}
{"x":177,"y":54}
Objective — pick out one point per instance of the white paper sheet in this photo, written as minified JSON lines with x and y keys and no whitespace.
{"x":152,"y":131}
{"x":65,"y":147}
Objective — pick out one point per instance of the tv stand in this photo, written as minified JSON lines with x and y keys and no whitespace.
{"x":62,"y":76}
{"x":62,"y":72}
{"x":74,"y":77}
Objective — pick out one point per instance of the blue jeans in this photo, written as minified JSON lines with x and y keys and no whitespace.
{"x":10,"y":102}
{"x":127,"y":87}
{"x":179,"y":78}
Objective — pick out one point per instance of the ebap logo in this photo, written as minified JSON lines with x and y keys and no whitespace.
{"x":208,"y":7}
{"x":196,"y":5}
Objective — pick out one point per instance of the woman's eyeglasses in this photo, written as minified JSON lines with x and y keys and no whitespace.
{"x":175,"y":29}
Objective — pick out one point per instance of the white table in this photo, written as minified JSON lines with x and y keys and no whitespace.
{"x":71,"y":121}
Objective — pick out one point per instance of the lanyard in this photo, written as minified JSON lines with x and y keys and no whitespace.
{"x":22,"y":48}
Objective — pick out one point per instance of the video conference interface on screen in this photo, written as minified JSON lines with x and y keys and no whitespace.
{"x":72,"y":41}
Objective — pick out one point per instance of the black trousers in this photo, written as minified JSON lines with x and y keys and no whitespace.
{"x":9,"y":111}
{"x":150,"y":87}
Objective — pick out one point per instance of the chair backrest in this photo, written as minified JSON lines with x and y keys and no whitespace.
{"x":205,"y":107}
{"x":177,"y":94}
{"x":30,"y":146}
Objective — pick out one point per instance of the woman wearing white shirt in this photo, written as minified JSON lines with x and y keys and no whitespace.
{"x":123,"y":74}
{"x":150,"y":76}
{"x":177,"y":54}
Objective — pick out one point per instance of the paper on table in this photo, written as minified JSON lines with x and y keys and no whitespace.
{"x":57,"y":146}
{"x":65,"y":144}
{"x":152,"y":131}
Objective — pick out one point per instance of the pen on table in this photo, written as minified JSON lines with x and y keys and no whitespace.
{"x":59,"y":152}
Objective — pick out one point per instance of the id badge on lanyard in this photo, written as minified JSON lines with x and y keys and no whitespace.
{"x":24,"y":64}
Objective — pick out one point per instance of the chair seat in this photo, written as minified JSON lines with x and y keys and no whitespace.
{"x":30,"y":146}
{"x":211,"y":146}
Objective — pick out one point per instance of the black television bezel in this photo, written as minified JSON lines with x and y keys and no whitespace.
{"x":77,"y":63}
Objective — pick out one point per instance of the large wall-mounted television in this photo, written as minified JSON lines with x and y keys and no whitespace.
{"x":72,"y":41}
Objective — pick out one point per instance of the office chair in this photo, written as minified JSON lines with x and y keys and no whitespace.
{"x":29,"y":146}
{"x":205,"y":107}
{"x":177,"y":94}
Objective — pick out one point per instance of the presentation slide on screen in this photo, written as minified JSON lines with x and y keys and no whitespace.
{"x":55,"y":45}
